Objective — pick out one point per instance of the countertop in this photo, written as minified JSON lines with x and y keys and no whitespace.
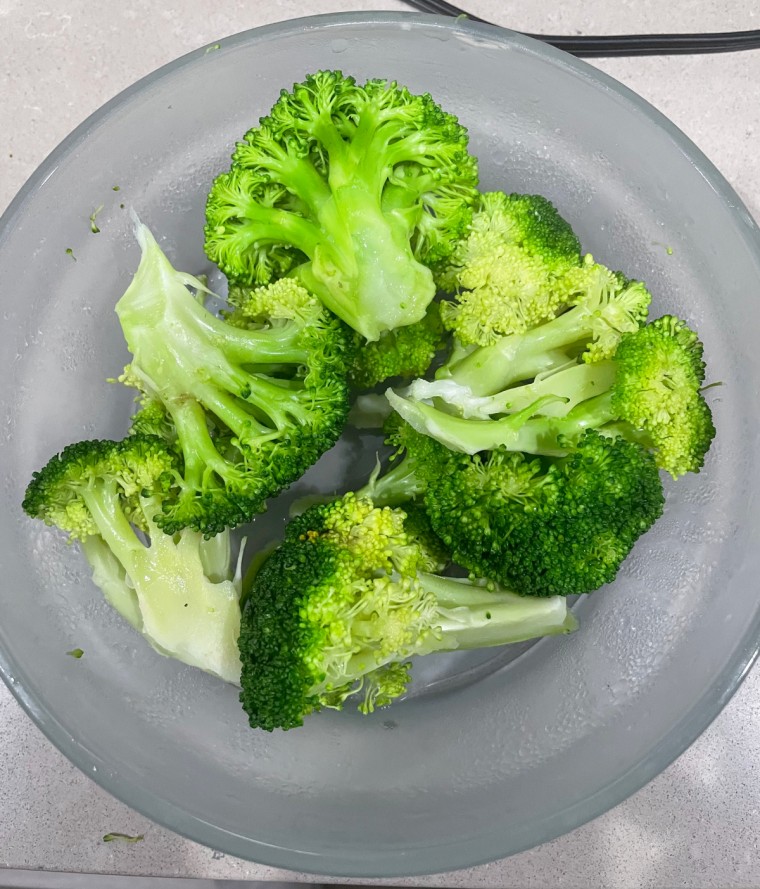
{"x":696,"y":824}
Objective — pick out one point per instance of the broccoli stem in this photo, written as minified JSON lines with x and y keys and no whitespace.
{"x":115,"y":554}
{"x":109,"y":575}
{"x":472,"y":615}
{"x":540,"y":435}
{"x":522,"y":356}
{"x":280,"y":403}
{"x":574,"y":385}
{"x":270,"y":224}
{"x":232,"y":412}
{"x":215,"y":553}
{"x":155,"y":320}
{"x":364,"y":270}
{"x":244,"y":346}
{"x":398,"y":485}
{"x":207,"y":360}
{"x":308,"y":183}
{"x":102,"y":501}
{"x":272,"y":345}
{"x":200,"y":453}
{"x":516,"y":432}
{"x":180,"y":610}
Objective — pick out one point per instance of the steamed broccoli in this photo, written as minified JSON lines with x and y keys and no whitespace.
{"x":649,"y":391}
{"x":509,"y":270}
{"x":345,"y":602}
{"x":178,"y":590}
{"x":603,"y":306}
{"x":251,"y":401}
{"x":406,"y":352}
{"x":354,"y":190}
{"x":598,"y":397}
{"x":540,"y":526}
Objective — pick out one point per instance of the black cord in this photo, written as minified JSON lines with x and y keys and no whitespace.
{"x":621,"y":44}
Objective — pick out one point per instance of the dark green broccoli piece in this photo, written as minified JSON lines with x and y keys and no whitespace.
{"x":344,"y":603}
{"x":548,"y":527}
{"x":251,"y":401}
{"x":178,"y":591}
{"x":649,"y":392}
{"x":509,"y":270}
{"x":540,"y":526}
{"x":354,"y":190}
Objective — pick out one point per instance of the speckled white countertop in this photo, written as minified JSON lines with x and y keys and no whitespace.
{"x":696,"y":825}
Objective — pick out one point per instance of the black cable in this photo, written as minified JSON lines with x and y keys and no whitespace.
{"x":621,"y":44}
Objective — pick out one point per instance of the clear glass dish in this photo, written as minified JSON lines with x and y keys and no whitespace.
{"x":487,"y":757}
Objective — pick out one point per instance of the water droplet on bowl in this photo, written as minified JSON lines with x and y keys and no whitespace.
{"x":339,"y":45}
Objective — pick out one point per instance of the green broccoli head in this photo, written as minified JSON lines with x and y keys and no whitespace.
{"x":151,"y":417}
{"x":660,"y":371}
{"x":178,"y":591}
{"x":406,"y":352}
{"x":250,"y":402}
{"x":324,"y":611}
{"x":556,"y":529}
{"x":429,"y":551}
{"x":57,"y":493}
{"x":355,"y":190}
{"x":508,"y":270}
{"x":345,"y":601}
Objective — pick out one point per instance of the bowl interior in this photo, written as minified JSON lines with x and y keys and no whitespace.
{"x":498,"y":761}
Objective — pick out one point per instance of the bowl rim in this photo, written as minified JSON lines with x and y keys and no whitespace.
{"x":468,"y":852}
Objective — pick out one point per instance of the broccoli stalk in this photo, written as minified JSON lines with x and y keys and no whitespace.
{"x":479,"y":614}
{"x":557,"y":392}
{"x":355,"y":190}
{"x":178,"y":591}
{"x":252,"y":401}
{"x":348,"y":598}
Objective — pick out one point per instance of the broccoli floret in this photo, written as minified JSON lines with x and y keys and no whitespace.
{"x":151,"y":417}
{"x":659,"y":377}
{"x":355,"y":190}
{"x":509,"y":271}
{"x":548,"y":527}
{"x":346,"y":600}
{"x":251,"y":401}
{"x":604,"y":306}
{"x":178,"y":591}
{"x":540,"y":526}
{"x":649,"y":392}
{"x":406,"y":352}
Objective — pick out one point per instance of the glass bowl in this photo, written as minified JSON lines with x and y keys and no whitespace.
{"x":487,"y":757}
